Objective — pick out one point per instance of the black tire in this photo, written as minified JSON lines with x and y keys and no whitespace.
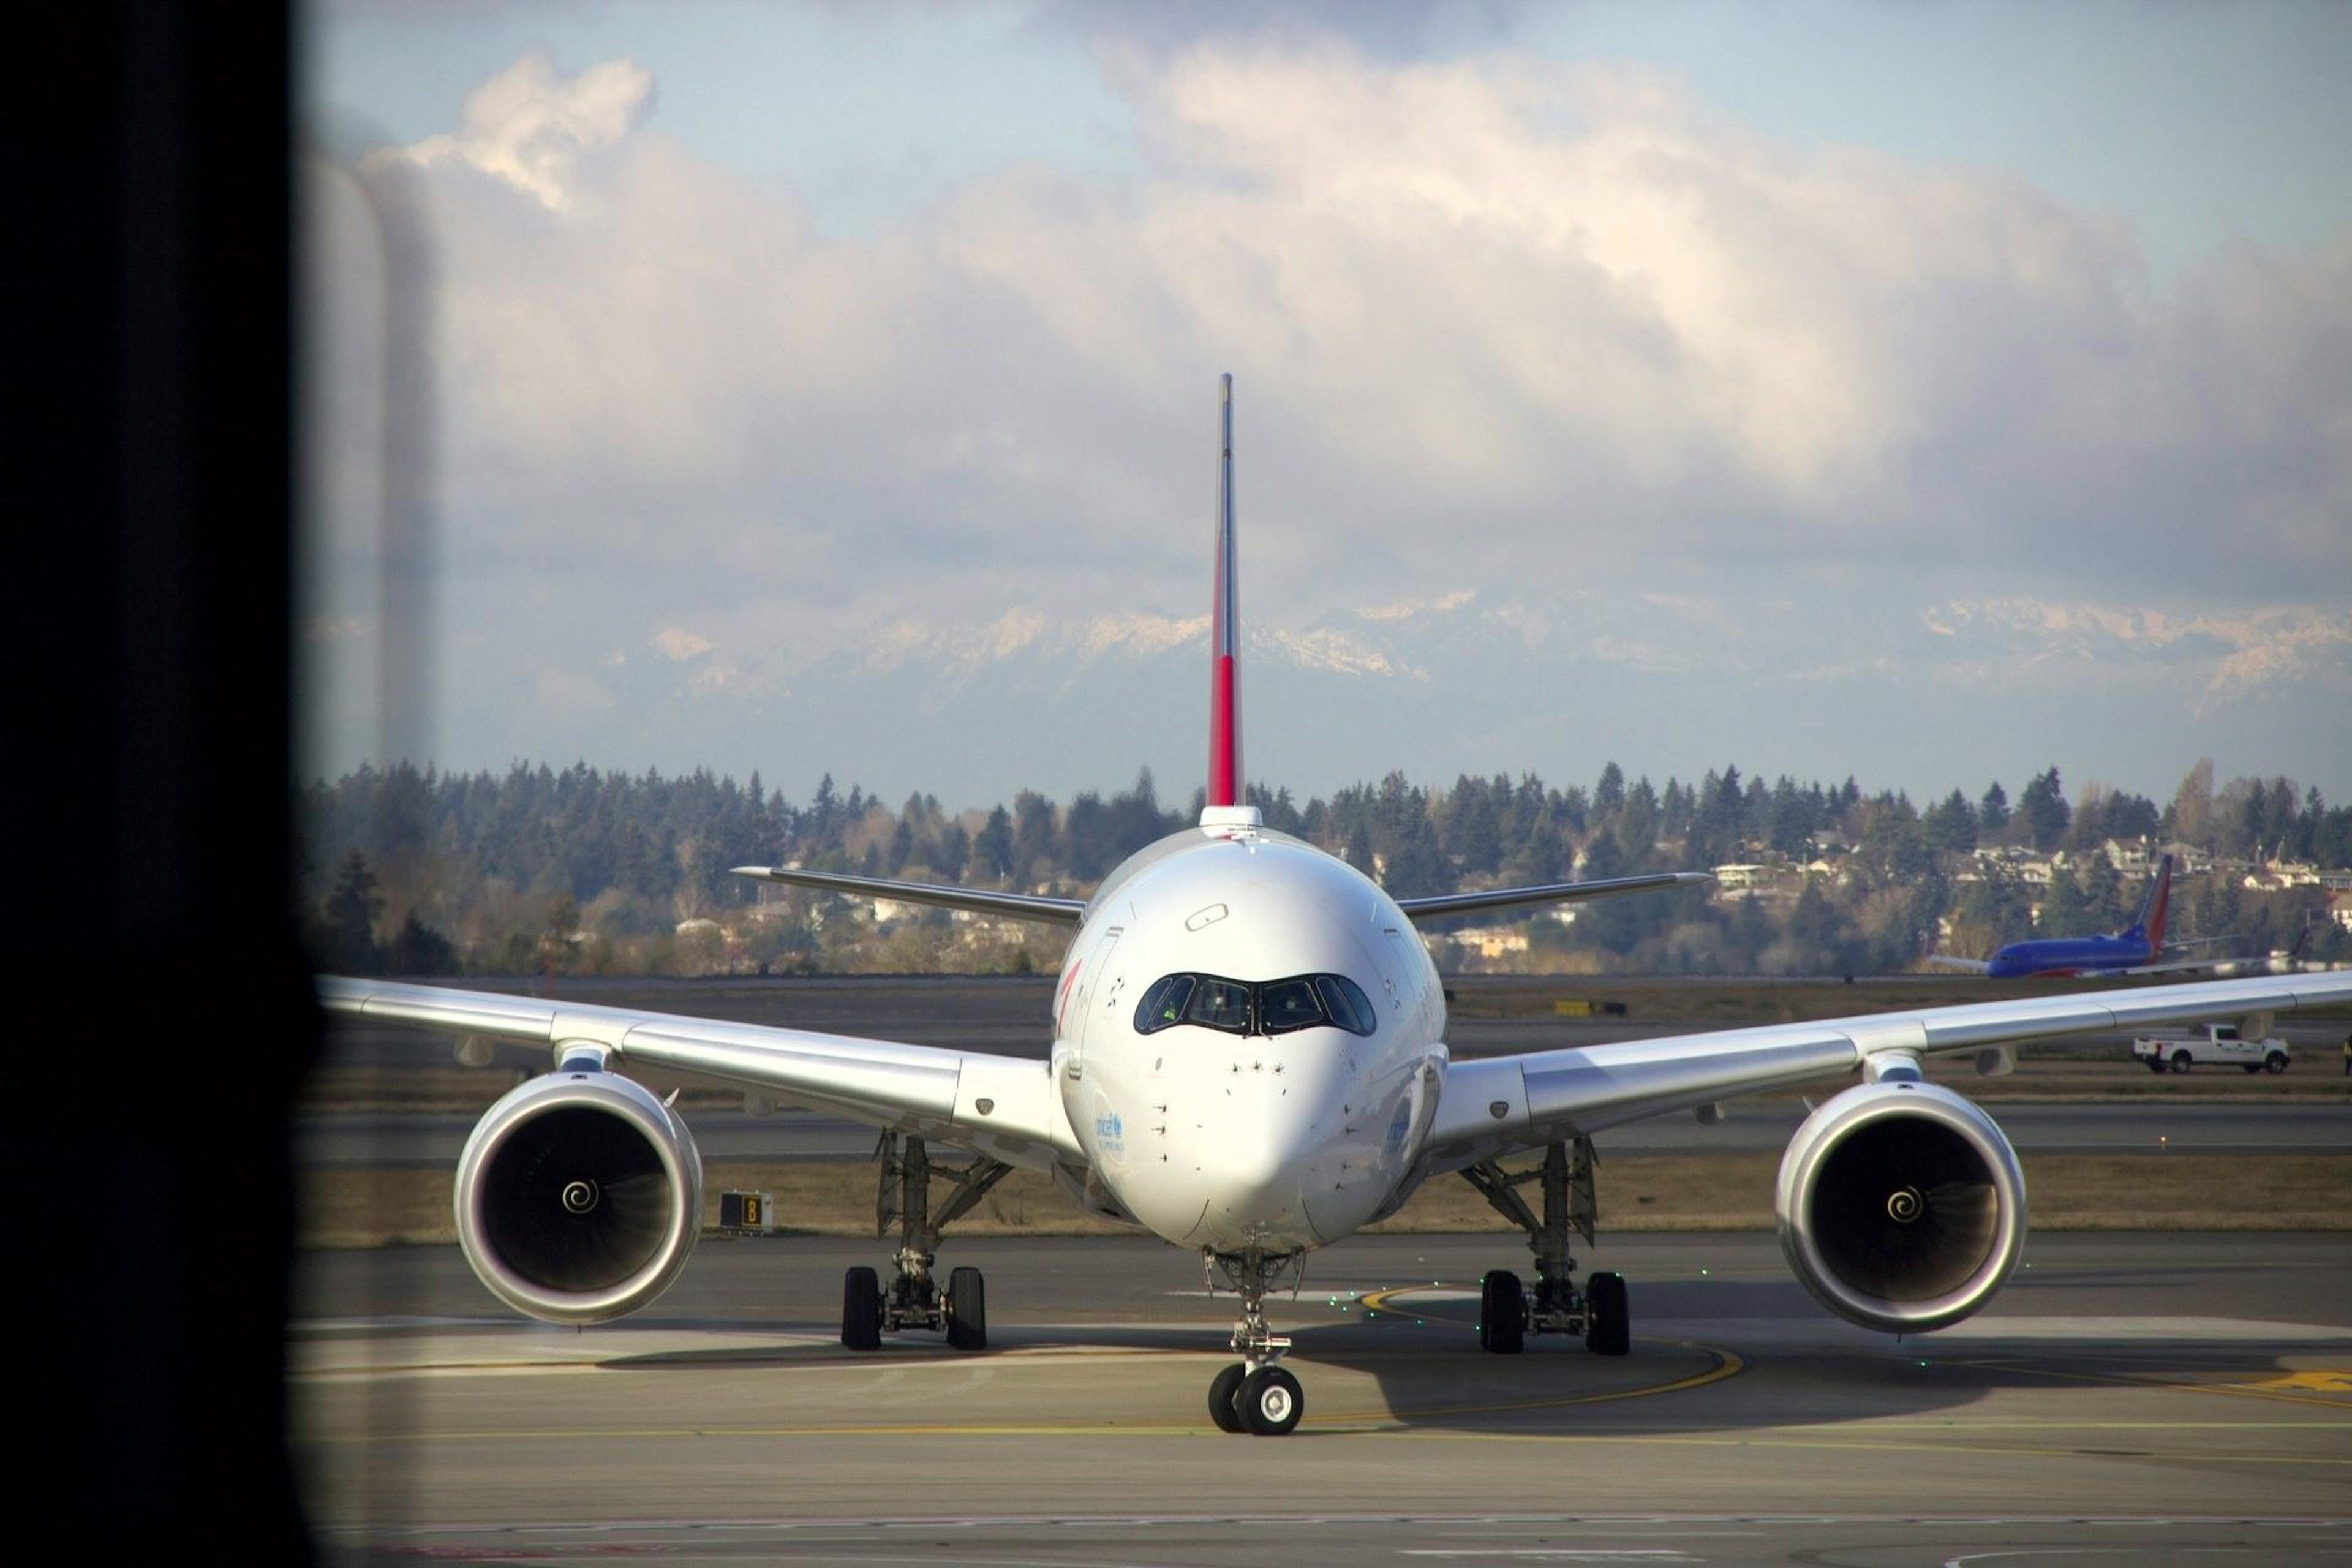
{"x":967,"y":1310}
{"x":2274,"y":1062}
{"x":1225,"y":1399}
{"x":1271,"y":1402}
{"x":1502,"y":1313}
{"x":1607,"y":1316}
{"x":2180,"y":1061}
{"x":861,"y":1309}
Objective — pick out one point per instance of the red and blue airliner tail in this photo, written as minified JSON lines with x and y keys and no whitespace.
{"x":2149,"y":926}
{"x":1224,"y":630}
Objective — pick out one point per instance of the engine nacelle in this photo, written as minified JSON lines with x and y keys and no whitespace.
{"x":578,"y":1197}
{"x":1901,"y":1207}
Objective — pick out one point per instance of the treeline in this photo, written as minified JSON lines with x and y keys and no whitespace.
{"x":410,"y":870}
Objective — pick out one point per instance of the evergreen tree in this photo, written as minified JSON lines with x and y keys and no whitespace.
{"x":351,"y":910}
{"x":1610,"y":925}
{"x":2044,"y":810}
{"x":1417,"y":866}
{"x":954,"y":848}
{"x":991,"y":848}
{"x":1993,"y":909}
{"x":418,"y":949}
{"x":1819,"y":938}
{"x":1951,"y":826}
{"x":1474,"y":838}
{"x":1033,"y":838}
{"x":1608,"y":793}
{"x":2064,"y":909}
{"x":1796,"y":816}
{"x":2109,"y":903}
{"x":1637,"y":827}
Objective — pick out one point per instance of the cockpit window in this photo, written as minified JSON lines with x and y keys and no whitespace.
{"x":1164,"y":1003}
{"x":1287,"y":1005}
{"x":1268,"y":1007}
{"x":1220,"y":1004}
{"x":1345,"y":1000}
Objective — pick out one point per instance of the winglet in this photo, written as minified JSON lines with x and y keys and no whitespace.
{"x":1225,"y":687}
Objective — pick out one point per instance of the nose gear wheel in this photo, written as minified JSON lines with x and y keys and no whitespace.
{"x":1256,"y":1395}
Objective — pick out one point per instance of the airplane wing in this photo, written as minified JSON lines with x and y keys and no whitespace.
{"x":984,"y":900}
{"x":2268,"y":963}
{"x":1492,"y":1105}
{"x":2193,"y":965}
{"x":1071,"y":911}
{"x":1002,"y":1106}
{"x":1548,"y":893}
{"x":1973,"y":965}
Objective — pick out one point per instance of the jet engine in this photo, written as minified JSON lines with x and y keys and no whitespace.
{"x":1901,"y":1207}
{"x":579,"y":1196}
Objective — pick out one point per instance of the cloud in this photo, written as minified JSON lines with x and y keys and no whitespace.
{"x":677,"y":645}
{"x":1568,"y":313}
{"x":536,"y":131}
{"x":1499,"y":326}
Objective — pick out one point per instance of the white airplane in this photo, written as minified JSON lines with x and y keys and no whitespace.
{"x":1249,"y":1060}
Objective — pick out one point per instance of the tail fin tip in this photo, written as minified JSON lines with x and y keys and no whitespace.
{"x":1224,"y":680}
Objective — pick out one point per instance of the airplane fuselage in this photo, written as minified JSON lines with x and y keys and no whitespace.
{"x":2055,"y":958}
{"x":1248,"y":1041}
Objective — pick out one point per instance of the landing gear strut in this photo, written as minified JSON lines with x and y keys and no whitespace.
{"x":913,"y":1298}
{"x":1255,"y":1396}
{"x":1507,"y":1312}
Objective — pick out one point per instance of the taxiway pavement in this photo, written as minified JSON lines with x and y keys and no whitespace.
{"x":2129,"y":1397}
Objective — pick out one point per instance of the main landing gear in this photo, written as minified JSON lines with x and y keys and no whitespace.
{"x":1256,"y":1396}
{"x":914,"y":1300}
{"x":1507,"y":1313}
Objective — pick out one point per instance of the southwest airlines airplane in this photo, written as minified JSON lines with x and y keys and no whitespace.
{"x":1249,"y":1060}
{"x":2135,"y":950}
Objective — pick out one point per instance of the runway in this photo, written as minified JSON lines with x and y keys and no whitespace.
{"x":2168,"y":1398}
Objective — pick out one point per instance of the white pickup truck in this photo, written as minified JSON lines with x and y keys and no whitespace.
{"x":2217,"y":1043}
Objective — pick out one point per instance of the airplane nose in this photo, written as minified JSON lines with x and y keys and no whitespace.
{"x":1258,"y":1149}
{"x":1263,"y":1153}
{"x":1259,"y":1162}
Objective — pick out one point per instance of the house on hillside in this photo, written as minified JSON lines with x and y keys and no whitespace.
{"x":1492,"y":942}
{"x":2188,"y":859}
{"x":2129,"y":855}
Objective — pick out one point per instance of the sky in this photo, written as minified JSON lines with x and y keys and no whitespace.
{"x":1933,"y":393}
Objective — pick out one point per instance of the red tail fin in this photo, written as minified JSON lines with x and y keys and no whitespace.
{"x":2160,"y":904}
{"x":1224,"y":680}
{"x":2153,"y":908}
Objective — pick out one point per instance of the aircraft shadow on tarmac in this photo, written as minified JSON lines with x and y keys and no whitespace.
{"x":1775,"y":1362}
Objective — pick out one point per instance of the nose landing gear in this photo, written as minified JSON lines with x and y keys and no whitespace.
{"x":1255,"y":1396}
{"x":913,"y":1298}
{"x":1507,"y":1313}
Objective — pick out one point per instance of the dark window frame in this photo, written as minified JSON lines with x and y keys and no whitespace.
{"x":1155,"y":1002}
